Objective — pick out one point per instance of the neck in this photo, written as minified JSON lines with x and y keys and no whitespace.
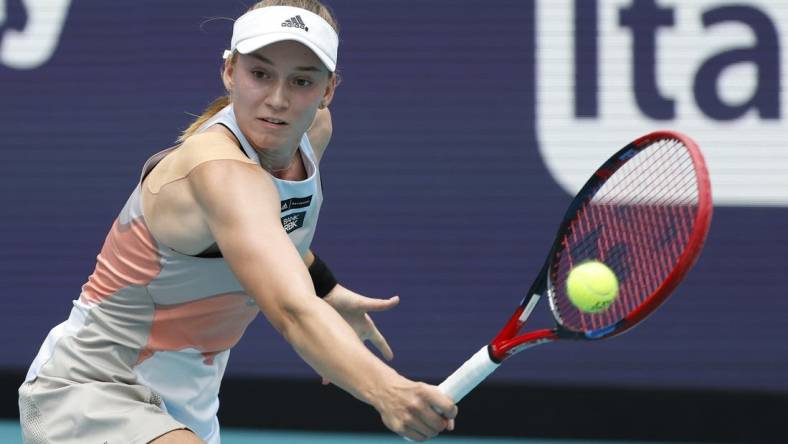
{"x":296,"y":170}
{"x":278,"y":162}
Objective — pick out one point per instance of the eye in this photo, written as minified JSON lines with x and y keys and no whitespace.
{"x":257,"y":74}
{"x":302,"y":82}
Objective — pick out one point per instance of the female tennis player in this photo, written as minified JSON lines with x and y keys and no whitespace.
{"x":218,"y":229}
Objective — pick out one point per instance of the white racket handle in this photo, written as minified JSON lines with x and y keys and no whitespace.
{"x":465,"y":378}
{"x":469,"y":375}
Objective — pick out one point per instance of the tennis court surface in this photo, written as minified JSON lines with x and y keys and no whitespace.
{"x":10,"y":434}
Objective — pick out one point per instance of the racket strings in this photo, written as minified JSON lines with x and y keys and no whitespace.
{"x":638,"y":223}
{"x":646,"y":222}
{"x":639,"y":186}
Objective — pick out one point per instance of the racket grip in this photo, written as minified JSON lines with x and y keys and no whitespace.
{"x":469,"y":375}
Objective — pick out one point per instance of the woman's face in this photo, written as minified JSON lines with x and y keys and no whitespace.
{"x":276,"y":92}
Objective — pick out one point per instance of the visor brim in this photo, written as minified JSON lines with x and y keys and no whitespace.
{"x":254,"y":43}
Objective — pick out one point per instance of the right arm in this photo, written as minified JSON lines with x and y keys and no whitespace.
{"x":240,"y":205}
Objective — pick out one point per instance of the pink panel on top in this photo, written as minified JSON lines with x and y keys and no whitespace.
{"x":211,"y":325}
{"x":129,"y":256}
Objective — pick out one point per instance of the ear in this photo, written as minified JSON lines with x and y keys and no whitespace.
{"x":227,"y":73}
{"x":328,"y":95}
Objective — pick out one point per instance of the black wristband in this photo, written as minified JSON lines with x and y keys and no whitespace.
{"x":322,"y":278}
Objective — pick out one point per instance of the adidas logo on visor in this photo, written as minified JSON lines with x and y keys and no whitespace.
{"x":295,"y":22}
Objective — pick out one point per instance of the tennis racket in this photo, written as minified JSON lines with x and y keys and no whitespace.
{"x":645,"y":214}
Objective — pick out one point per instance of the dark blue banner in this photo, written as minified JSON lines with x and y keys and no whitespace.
{"x":461,"y":131}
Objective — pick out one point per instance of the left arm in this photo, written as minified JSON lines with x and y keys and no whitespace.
{"x":355,"y":308}
{"x":320,"y":131}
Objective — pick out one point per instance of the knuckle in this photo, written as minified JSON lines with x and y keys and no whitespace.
{"x":399,"y":427}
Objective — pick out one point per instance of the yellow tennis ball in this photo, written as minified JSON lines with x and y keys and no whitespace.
{"x":592,"y":286}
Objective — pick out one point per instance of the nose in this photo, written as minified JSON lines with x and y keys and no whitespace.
{"x":277,"y":98}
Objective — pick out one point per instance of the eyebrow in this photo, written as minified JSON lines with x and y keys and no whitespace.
{"x":298,"y":68}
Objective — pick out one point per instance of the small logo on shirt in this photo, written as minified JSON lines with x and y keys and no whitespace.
{"x":296,"y":202}
{"x":294,"y":221}
{"x":295,"y":22}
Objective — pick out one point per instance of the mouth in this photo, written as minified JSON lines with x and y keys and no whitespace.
{"x":273,"y":121}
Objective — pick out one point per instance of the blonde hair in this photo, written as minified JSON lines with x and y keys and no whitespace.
{"x":220,"y":102}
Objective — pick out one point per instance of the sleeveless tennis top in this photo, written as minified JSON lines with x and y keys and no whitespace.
{"x":150,"y":315}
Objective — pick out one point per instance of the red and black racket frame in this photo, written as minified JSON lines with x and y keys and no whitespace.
{"x":507,"y":343}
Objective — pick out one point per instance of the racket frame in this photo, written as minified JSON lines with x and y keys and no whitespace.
{"x":507,"y":342}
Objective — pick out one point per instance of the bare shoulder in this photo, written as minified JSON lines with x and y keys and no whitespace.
{"x":172,"y":210}
{"x":196,"y":150}
{"x":223,"y":186}
{"x":320,"y":132}
{"x":205,"y":147}
{"x":214,"y":198}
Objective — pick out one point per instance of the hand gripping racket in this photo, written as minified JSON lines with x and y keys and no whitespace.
{"x":645,"y":214}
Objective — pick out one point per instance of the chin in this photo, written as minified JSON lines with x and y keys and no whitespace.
{"x":269,"y":143}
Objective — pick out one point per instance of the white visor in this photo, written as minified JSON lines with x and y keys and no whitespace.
{"x":263,"y":26}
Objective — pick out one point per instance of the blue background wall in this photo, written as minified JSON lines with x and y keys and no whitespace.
{"x":436,"y":189}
